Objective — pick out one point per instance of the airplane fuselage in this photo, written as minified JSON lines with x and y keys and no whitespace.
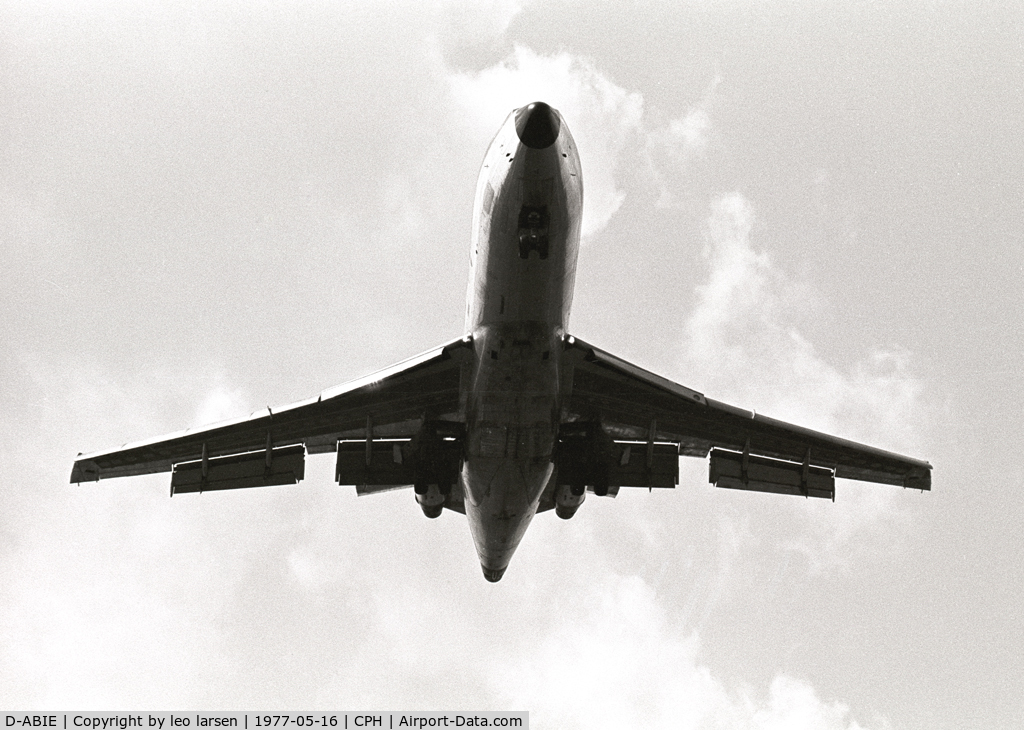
{"x":524,"y":250}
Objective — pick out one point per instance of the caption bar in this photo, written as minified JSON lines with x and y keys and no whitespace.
{"x":262,"y":720}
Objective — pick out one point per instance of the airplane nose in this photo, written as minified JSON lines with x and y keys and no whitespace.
{"x":537,"y":125}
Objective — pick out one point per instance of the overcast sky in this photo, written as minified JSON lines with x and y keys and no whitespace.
{"x":813,"y":211}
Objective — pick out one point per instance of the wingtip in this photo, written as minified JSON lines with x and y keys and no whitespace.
{"x":919,"y":479}
{"x":84,"y":471}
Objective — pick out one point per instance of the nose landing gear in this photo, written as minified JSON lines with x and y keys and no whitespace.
{"x":533,"y":231}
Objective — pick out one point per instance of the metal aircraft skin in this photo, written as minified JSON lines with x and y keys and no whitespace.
{"x":517,"y":416}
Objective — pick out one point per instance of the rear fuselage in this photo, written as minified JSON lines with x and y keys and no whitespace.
{"x":525,"y":243}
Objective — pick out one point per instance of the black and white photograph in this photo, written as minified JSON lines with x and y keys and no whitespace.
{"x":628,"y":364}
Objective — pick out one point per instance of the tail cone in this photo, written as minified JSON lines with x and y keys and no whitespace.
{"x":493,"y":575}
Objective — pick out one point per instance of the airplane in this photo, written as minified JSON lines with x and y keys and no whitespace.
{"x":517,"y":416}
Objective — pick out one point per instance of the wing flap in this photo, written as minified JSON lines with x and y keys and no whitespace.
{"x":733,"y":470}
{"x":265,"y":468}
{"x":644,"y":465}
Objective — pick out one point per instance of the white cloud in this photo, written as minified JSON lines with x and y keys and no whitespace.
{"x":743,"y":338}
{"x":221,"y":402}
{"x":793,"y":705}
{"x":671,"y":149}
{"x":470,"y":22}
{"x":604,"y":118}
{"x":692,"y":129}
{"x":620,"y":663}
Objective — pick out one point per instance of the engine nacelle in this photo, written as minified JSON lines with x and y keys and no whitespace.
{"x":568,"y":499}
{"x":430,"y":499}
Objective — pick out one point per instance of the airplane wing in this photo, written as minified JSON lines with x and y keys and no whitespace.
{"x":268,"y":447}
{"x":748,"y":450}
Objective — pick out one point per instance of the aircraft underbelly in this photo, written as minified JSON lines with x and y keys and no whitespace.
{"x":511,"y":430}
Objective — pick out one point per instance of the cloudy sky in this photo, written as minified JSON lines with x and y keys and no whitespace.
{"x":811,"y":210}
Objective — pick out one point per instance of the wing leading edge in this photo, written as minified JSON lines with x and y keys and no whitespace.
{"x":634,"y":404}
{"x":391,"y":403}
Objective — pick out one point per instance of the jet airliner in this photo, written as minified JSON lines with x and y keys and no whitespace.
{"x":517,"y":416}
